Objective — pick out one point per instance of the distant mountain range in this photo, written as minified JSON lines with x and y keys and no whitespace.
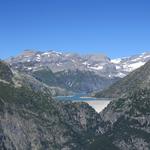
{"x":98,"y":63}
{"x":75,"y":73}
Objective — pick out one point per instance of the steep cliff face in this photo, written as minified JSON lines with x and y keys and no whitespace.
{"x":31,"y":119}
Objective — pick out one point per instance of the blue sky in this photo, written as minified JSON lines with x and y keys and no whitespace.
{"x":114,"y":27}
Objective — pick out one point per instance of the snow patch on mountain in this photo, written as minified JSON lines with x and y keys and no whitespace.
{"x":96,"y":67}
{"x":120,"y":74}
{"x":135,"y":65}
{"x":116,"y":61}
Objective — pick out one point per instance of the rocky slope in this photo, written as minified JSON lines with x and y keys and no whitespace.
{"x":126,"y":120}
{"x":126,"y":123}
{"x":32,"y":120}
{"x":76,"y":81}
{"x":139,"y":78}
{"x":36,"y":85}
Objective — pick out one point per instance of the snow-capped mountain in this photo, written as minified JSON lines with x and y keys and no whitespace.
{"x":100,"y":64}
{"x":128,"y":64}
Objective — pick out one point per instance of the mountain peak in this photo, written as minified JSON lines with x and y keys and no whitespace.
{"x":98,"y":57}
{"x":28,"y":52}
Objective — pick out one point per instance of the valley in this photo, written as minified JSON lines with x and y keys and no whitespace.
{"x":41,"y":108}
{"x":75,"y":75}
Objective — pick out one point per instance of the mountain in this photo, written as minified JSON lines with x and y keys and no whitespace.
{"x":76,"y":81}
{"x":139,"y":78}
{"x":128,"y":64}
{"x":32,"y":120}
{"x":126,"y":123}
{"x":126,"y":120}
{"x":100,"y":64}
{"x":82,"y":74}
{"x":55,"y":61}
{"x":34,"y":84}
{"x":19,"y":78}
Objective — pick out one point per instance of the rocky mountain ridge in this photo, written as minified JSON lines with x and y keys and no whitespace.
{"x":56,"y":61}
